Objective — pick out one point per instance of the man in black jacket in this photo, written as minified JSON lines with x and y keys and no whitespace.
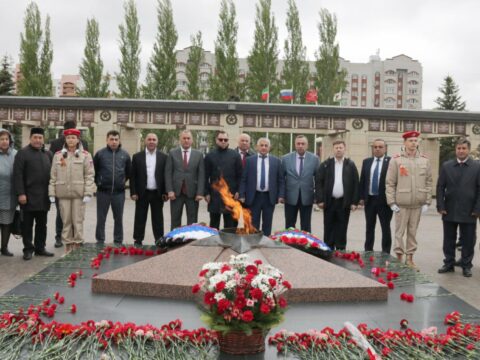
{"x":226,"y":163}
{"x":337,"y":194}
{"x":147,"y":188}
{"x":31,"y":170}
{"x":55,"y":146}
{"x":112,"y":170}
{"x":372,"y":196}
{"x":458,"y":201}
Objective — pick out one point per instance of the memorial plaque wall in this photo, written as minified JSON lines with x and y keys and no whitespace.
{"x":374,"y":125}
{"x":3,"y":114}
{"x":460,"y":128}
{"x":88,"y":116}
{"x":268,"y":121}
{"x":304,"y":122}
{"x":426,"y":127}
{"x":195,"y":119}
{"x":443,"y":128}
{"x":339,"y":124}
{"x":322,"y":123}
{"x":70,"y":115}
{"x":123,"y":116}
{"x":54,"y":115}
{"x":409,"y":125}
{"x":141,"y":117}
{"x":18,"y":114}
{"x":249,"y":120}
{"x":177,"y":118}
{"x":36,"y":115}
{"x":213,"y":120}
{"x":285,"y":121}
{"x":159,"y":118}
{"x":392,"y":125}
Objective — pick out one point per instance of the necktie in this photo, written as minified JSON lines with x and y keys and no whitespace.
{"x":185,"y":159}
{"x":244,"y":158}
{"x":300,"y":170}
{"x":262,"y":174}
{"x":375,"y":178}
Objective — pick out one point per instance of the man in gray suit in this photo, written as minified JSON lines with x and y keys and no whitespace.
{"x":184,"y":180}
{"x":299,"y":171}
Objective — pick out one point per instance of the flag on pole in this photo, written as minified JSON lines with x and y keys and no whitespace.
{"x":338,"y":96}
{"x":265,"y":94}
{"x":311,"y":96}
{"x":286,"y":94}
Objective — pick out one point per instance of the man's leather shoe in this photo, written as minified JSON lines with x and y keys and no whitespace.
{"x":58,"y":243}
{"x":445,"y":269}
{"x":467,"y":272}
{"x":458,"y":263}
{"x":27,"y":256}
{"x":137,"y":244}
{"x":458,"y":244}
{"x":44,"y":253}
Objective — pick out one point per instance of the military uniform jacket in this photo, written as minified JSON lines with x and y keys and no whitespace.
{"x":409,"y":181}
{"x":72,"y":177}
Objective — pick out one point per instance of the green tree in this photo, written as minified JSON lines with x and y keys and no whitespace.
{"x":127,"y":78}
{"x":263,"y":57}
{"x":224,"y":83}
{"x":195,"y":59}
{"x":36,"y":55}
{"x":295,"y":71}
{"x":6,"y":82}
{"x":330,"y":79}
{"x":91,"y":68}
{"x":161,"y":78}
{"x":450,"y":100}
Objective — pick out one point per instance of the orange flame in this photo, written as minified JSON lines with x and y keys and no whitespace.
{"x":235,"y":207}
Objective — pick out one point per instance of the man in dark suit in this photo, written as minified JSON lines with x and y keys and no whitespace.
{"x":147,"y":188}
{"x":458,"y":201}
{"x":372,"y":196}
{"x":299,"y":168}
{"x":244,"y":148}
{"x":337,"y":194}
{"x":262,"y":185}
{"x":184,"y":180}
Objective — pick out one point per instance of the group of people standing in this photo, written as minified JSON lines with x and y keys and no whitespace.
{"x":69,"y":177}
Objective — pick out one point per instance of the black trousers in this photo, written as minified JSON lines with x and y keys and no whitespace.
{"x":291,"y":212}
{"x":58,"y":223}
{"x":373,"y":208}
{"x":468,"y":231}
{"x":176,"y":210}
{"x":262,"y":209}
{"x":335,"y":222}
{"x":154,"y":200}
{"x":38,"y":244}
{"x":228,"y":221}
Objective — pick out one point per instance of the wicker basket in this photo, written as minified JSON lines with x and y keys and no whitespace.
{"x":239,"y":343}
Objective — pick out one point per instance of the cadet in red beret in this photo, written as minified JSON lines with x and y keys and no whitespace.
{"x":75,"y":132}
{"x":408,"y":187}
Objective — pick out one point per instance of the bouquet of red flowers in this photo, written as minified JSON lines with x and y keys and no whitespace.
{"x":242,"y":295}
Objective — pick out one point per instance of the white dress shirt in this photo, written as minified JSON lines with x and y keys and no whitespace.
{"x":151,"y":160}
{"x":259,"y":172}
{"x":372,"y":170}
{"x":337,"y":192}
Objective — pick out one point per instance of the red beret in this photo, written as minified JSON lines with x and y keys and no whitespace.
{"x":71,"y":132}
{"x":409,"y":134}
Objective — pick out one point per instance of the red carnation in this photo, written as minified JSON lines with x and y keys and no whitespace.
{"x":410,"y":298}
{"x":282,"y":302}
{"x":209,"y":298}
{"x":61,"y":300}
{"x":203,"y":272}
{"x":220,"y":286}
{"x":251,"y":269}
{"x":404,"y":323}
{"x":196,"y":288}
{"x":264,"y":308}
{"x":256,"y":293}
{"x":247,"y":316}
{"x":287,"y":284}
{"x":73,"y":309}
{"x":240,"y":302}
{"x":272,"y":282}
{"x":223,"y":304}
{"x":381,"y":281}
{"x":391,"y":285}
{"x":56,"y":295}
{"x":258,"y":262}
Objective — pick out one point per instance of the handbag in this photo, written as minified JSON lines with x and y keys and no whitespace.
{"x":16,"y":226}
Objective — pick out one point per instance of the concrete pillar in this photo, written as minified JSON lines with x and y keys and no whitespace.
{"x":25,"y":135}
{"x":131,"y":140}
{"x":233,"y":129}
{"x":431,"y":149}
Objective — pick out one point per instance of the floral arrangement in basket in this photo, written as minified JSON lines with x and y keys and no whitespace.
{"x":304,"y":241}
{"x":242,"y":295}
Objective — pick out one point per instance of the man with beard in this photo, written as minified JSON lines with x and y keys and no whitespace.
{"x":226,"y":163}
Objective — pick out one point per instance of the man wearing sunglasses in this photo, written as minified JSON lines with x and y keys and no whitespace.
{"x":226,"y":163}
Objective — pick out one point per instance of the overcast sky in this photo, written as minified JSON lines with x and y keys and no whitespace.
{"x":441,"y":34}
